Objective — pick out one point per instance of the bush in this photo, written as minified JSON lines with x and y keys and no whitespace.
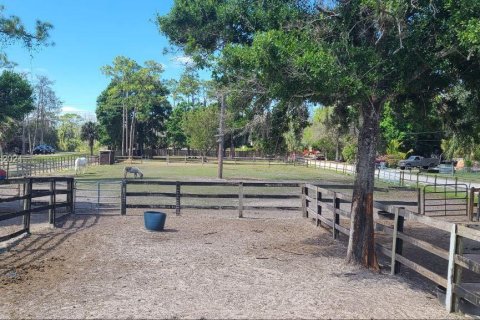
{"x":349,"y":152}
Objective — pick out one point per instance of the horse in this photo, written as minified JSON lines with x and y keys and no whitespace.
{"x":133,"y":170}
{"x":80,"y":165}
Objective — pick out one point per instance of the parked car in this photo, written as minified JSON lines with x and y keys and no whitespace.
{"x":43,"y":149}
{"x":418,"y":162}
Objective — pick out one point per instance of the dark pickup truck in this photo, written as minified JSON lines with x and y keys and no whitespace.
{"x":418,"y":162}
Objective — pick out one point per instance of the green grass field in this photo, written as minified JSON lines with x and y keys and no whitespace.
{"x":180,"y":171}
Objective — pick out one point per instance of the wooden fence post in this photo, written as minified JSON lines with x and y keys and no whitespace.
{"x":397,"y":243}
{"x":304,"y":200}
{"x":70,"y":195}
{"x":456,"y":185}
{"x":240,"y":199}
{"x":454,"y":271}
{"x":51,"y":202}
{"x":419,"y":201}
{"x":478,"y":208}
{"x":319,"y":207}
{"x":123,"y":209}
{"x":27,"y":205}
{"x":307,"y":202}
{"x":177,"y":198}
{"x":336,"y":216}
{"x":471,"y":204}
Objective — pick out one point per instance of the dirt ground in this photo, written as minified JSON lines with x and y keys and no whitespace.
{"x":204,"y":265}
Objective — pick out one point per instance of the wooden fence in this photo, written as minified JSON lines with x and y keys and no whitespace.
{"x":227,"y":161}
{"x":38,"y":165}
{"x":34,"y":188}
{"x":236,"y":199}
{"x":319,"y":202}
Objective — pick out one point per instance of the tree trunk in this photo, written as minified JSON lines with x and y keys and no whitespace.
{"x":132,"y":132}
{"x":361,"y":245}
{"x":23,"y":136}
{"x":232,"y":146}
{"x":90,"y":144}
{"x":123,"y":130}
{"x":221,"y":137}
{"x":337,"y":146}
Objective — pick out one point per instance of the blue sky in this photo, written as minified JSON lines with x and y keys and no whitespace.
{"x":89,"y":34}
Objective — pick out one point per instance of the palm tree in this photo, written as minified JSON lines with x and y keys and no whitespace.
{"x":90,"y":133}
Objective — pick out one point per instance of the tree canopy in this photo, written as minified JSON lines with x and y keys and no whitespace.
{"x":359,"y":53}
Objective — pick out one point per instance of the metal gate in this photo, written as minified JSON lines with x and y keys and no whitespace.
{"x":445,"y":199}
{"x":97,"y":197}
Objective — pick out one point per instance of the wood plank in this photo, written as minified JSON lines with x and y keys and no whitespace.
{"x":151,"y":194}
{"x":384,"y":250}
{"x":469,"y":261}
{"x":272,"y":208}
{"x":13,"y":235}
{"x":15,"y":198}
{"x":468,"y":233}
{"x":311,"y":212}
{"x":332,"y":209}
{"x":468,"y":291}
{"x":442,"y":253}
{"x":325,"y":221}
{"x":422,"y":270}
{"x":449,"y":296}
{"x":7,"y":216}
{"x":150,"y":206}
{"x":431,"y":222}
{"x":342,"y":229}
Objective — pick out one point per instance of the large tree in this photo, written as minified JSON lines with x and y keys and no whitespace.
{"x":200,"y":126}
{"x":138,"y":91}
{"x":15,"y":102}
{"x":364,"y":53}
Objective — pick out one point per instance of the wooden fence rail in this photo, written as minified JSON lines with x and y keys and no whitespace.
{"x":178,"y":195}
{"x":30,"y":192}
{"x":316,"y":204}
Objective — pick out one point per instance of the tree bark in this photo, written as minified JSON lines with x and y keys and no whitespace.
{"x":361,"y":245}
{"x":123,"y":130}
{"x":23,"y":135}
{"x":221,"y":137}
{"x":132,"y":132}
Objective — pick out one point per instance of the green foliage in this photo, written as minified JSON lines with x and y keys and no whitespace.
{"x":15,"y":96}
{"x":140,"y":91}
{"x":89,"y":132}
{"x":394,"y":153}
{"x":200,"y":126}
{"x":349,"y":151}
{"x":12,"y":30}
{"x":175,"y":135}
{"x":69,"y":132}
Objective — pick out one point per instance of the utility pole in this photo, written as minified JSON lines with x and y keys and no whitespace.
{"x":221,"y":135}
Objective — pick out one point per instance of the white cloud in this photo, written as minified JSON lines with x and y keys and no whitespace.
{"x":87,"y":115}
{"x":183,"y":60}
{"x":70,"y":109}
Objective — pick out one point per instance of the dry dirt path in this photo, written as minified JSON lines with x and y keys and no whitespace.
{"x":204,"y":265}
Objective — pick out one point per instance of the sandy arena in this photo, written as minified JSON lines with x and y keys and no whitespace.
{"x":205,"y":265}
